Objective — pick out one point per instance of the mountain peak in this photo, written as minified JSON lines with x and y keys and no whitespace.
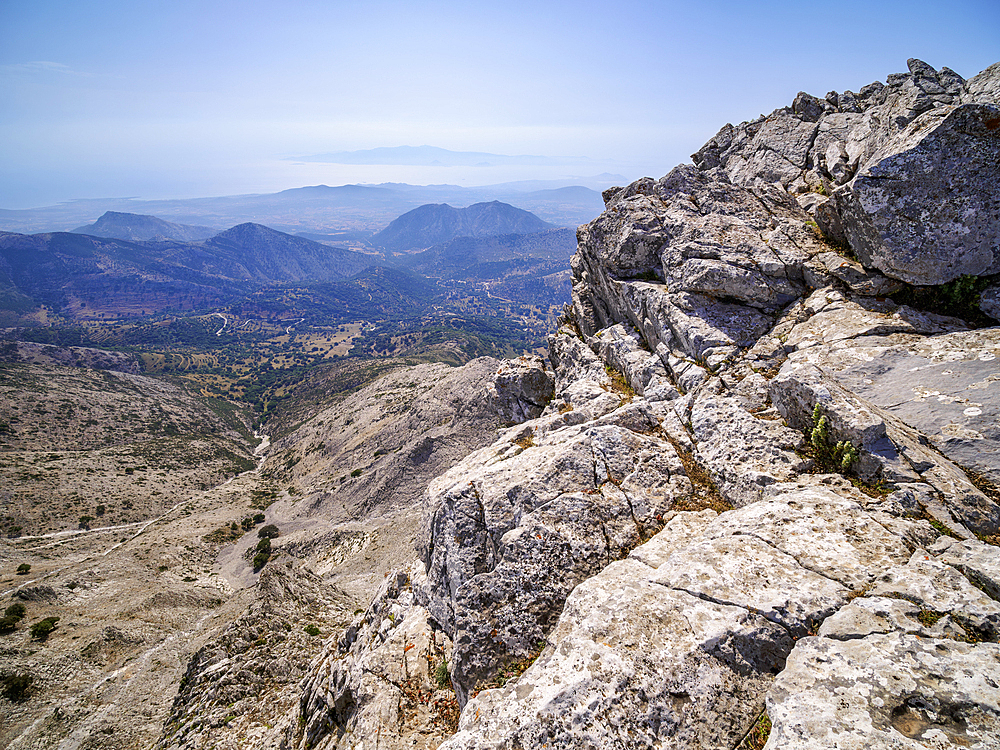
{"x":434,"y":223}
{"x":137,"y":227}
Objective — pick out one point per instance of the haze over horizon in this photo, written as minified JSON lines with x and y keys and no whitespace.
{"x":190,"y":99}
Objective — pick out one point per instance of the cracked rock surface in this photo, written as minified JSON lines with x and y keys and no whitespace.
{"x":713,"y":323}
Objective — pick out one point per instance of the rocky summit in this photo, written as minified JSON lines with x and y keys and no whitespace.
{"x":751,"y":498}
{"x":761,"y":500}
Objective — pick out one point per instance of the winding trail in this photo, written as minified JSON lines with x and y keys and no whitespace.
{"x":225,"y":322}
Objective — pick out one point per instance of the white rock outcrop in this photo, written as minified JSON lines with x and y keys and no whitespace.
{"x":761,"y":493}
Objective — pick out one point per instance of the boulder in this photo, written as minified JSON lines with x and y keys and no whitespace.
{"x":511,"y":530}
{"x":521,"y":388}
{"x":677,"y":645}
{"x":925,"y":209}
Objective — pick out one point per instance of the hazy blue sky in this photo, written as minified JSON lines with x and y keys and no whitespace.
{"x":179,"y":98}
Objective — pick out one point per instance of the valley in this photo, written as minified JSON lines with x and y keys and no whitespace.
{"x":246,"y":312}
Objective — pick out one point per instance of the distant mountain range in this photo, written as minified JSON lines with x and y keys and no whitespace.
{"x":80,"y":276}
{"x":124,"y":226}
{"x":434,"y":224}
{"x":323,"y":209}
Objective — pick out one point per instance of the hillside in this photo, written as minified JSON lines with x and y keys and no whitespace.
{"x":434,"y":224}
{"x":124,"y":226}
{"x":80,"y":276}
{"x":267,"y":255}
{"x":486,"y":257}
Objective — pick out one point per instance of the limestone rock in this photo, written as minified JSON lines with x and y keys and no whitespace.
{"x":633,"y":664}
{"x":989,"y":301}
{"x":622,"y":350}
{"x":911,"y":164}
{"x":925,"y":208}
{"x":979,"y":562}
{"x":683,"y":652}
{"x":743,"y":452}
{"x":521,"y":389}
{"x":940,"y":588}
{"x":727,"y":257}
{"x":886,"y":691}
{"x":583,"y":387}
{"x":984,"y":87}
{"x":379,"y":679}
{"x":856,"y":277}
{"x":945,"y":386}
{"x":876,"y":614}
{"x":512,"y":529}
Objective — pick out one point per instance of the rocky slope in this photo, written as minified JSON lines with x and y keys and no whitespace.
{"x":167,"y":628}
{"x":111,"y":488}
{"x":764,"y":495}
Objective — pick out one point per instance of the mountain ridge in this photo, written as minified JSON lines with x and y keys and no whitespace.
{"x":320,"y":208}
{"x":77,"y":272}
{"x":126,"y":226}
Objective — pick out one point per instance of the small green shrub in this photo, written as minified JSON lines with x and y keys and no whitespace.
{"x":356,"y":473}
{"x":8,"y":624}
{"x":757,"y":737}
{"x":23,"y":569}
{"x":831,"y":457}
{"x":929,"y":617}
{"x":959,"y":298}
{"x":442,"y":675}
{"x":16,"y":686}
{"x":17,"y":610}
{"x":270,"y":531}
{"x":260,"y":560}
{"x":264,"y":545}
{"x":41,"y":630}
{"x":311,"y":629}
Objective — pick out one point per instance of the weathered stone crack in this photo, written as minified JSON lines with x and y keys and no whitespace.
{"x":798,"y":562}
{"x":725,"y":603}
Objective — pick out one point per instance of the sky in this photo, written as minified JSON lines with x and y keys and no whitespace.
{"x":182,"y":99}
